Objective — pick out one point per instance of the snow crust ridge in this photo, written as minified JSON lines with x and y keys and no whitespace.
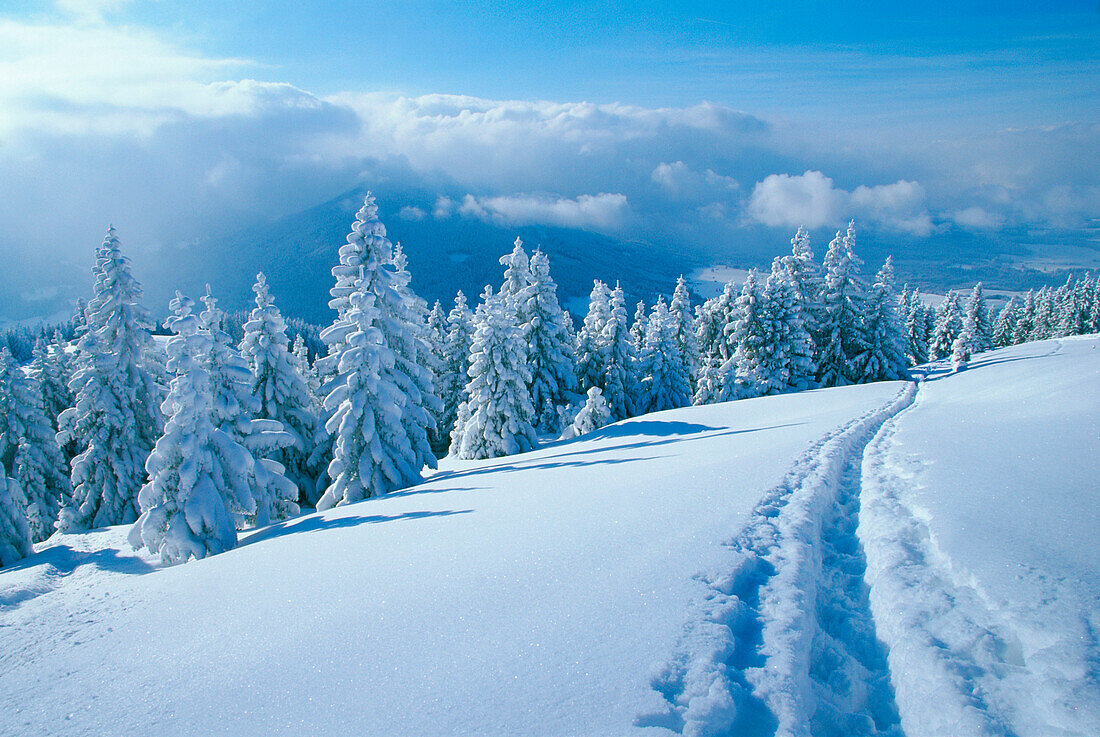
{"x":785,"y":643}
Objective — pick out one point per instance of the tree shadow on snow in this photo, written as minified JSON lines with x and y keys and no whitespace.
{"x":313,"y":522}
{"x":661,"y":432}
{"x":942,"y":368}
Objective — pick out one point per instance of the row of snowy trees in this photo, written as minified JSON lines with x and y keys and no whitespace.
{"x":206,"y":435}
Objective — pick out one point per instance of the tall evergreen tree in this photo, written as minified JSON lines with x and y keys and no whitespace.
{"x":517,"y":277}
{"x":235,"y":410}
{"x":790,"y":365}
{"x":841,"y":328}
{"x":1025,"y":325}
{"x":198,"y":475}
{"x":496,"y":418}
{"x":116,"y":414}
{"x":591,"y":358}
{"x":49,"y":368}
{"x":949,"y":323}
{"x":456,"y":362}
{"x":967,"y":342}
{"x":638,"y":328}
{"x":916,"y":330}
{"x":15,"y":535}
{"x":808,"y":281}
{"x":367,"y":266}
{"x":371,"y":454}
{"x":714,"y":327}
{"x":1005,"y":324}
{"x":746,"y":373}
{"x":884,"y":333}
{"x":710,"y":325}
{"x":279,"y":389}
{"x":664,"y":379}
{"x":549,"y":347}
{"x":1045,"y":318}
{"x":683,"y":327}
{"x":27,"y":446}
{"x":620,"y":383}
{"x":983,"y":326}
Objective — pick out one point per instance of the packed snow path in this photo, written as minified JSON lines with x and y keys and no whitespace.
{"x":787,"y":643}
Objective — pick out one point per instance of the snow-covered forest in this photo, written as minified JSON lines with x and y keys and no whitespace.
{"x":193,"y":438}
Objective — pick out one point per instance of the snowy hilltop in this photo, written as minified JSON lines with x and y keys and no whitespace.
{"x":900,"y":558}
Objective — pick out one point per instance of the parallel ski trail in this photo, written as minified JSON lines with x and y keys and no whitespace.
{"x":774,"y":653}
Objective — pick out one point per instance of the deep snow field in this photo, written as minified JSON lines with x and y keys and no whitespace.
{"x":700,"y":571}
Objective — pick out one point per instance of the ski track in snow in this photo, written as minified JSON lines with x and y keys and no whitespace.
{"x":785,"y":643}
{"x":948,"y":644}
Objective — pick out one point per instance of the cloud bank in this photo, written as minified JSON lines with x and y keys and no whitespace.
{"x":106,"y":124}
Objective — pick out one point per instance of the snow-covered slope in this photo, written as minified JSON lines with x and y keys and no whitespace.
{"x":696,"y":571}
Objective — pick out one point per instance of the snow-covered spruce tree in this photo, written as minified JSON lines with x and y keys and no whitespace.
{"x":1005,"y":324}
{"x":300,"y":352}
{"x":49,"y":368}
{"x":1025,"y":322}
{"x":746,"y":373}
{"x":712,"y":320}
{"x":714,"y":323}
{"x":15,"y":535}
{"x":456,"y":362}
{"x":401,"y":332}
{"x":884,"y":358}
{"x":197,"y":473}
{"x":234,"y":410}
{"x":1092,"y":302}
{"x":115,"y":417}
{"x":437,"y":338}
{"x":517,"y":277}
{"x":408,"y":336}
{"x":549,"y":346}
{"x":1073,"y":310}
{"x":496,"y":418}
{"x":620,"y":383}
{"x":808,"y":280}
{"x":664,"y":380}
{"x":591,"y":359}
{"x":28,"y":447}
{"x":949,"y":323}
{"x":979,"y":310}
{"x":916,"y":330}
{"x":278,"y":387}
{"x":638,"y":328}
{"x":967,"y":342}
{"x":1044,"y":315}
{"x":593,"y":415}
{"x":790,"y":363}
{"x":683,"y":327}
{"x":371,"y":453}
{"x":841,"y":327}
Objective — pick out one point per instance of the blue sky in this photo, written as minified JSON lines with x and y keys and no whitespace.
{"x":1003,"y":62}
{"x":680,"y":121}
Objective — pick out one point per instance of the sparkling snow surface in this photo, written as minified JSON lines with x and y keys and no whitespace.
{"x":696,"y":571}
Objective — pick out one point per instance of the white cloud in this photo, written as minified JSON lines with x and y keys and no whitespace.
{"x":812,"y":199}
{"x":808,"y":199}
{"x":411,"y":212}
{"x":679,"y":180}
{"x":977,"y":218}
{"x":444,"y":207}
{"x":602,"y":212}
